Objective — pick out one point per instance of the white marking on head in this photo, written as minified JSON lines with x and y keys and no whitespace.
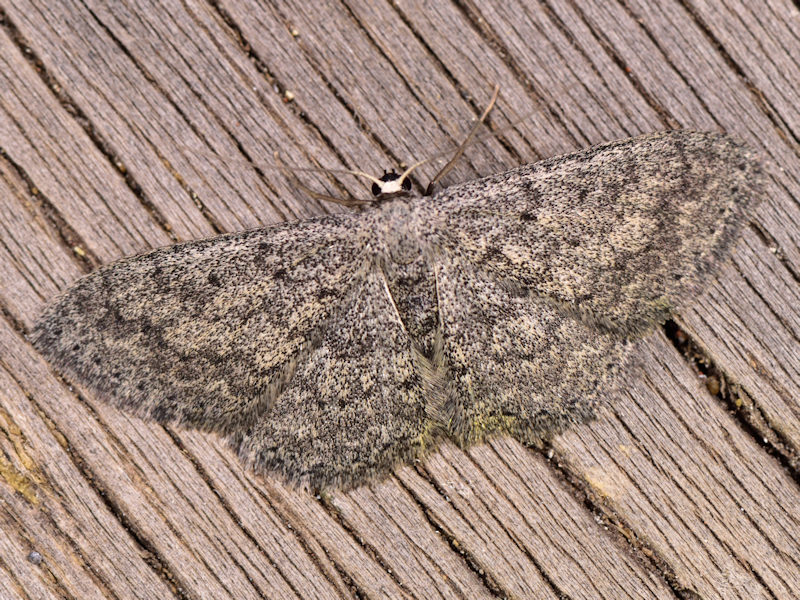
{"x":393,"y":185}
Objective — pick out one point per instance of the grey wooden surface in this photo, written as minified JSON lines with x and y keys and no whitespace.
{"x":128,"y":125}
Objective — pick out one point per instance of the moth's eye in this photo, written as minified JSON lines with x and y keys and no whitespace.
{"x":376,"y":189}
{"x":406,"y":184}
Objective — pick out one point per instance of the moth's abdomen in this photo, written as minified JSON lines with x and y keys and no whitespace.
{"x":413,"y":289}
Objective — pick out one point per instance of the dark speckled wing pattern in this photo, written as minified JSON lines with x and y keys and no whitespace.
{"x":546,"y":273}
{"x":617,"y":233}
{"x":517,"y":364}
{"x":205,"y":333}
{"x":356,"y":407}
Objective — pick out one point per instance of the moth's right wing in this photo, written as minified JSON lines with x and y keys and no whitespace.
{"x":206,"y":333}
{"x":516,"y":364}
{"x":614,"y":234}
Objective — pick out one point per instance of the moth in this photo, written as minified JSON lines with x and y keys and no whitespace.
{"x":328,"y":351}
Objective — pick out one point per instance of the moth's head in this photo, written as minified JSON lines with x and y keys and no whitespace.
{"x":391,"y":184}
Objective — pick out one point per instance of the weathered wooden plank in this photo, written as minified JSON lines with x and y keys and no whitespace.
{"x":20,"y":578}
{"x":750,"y":325}
{"x":691,"y":484}
{"x":267,"y":516}
{"x":524,"y":528}
{"x":438,"y":113}
{"x":47,"y":143}
{"x":549,"y":54}
{"x":49,"y":501}
{"x":138,"y":102}
{"x":691,"y":66}
{"x":761,"y":40}
{"x":162,"y":85}
{"x":37,"y":270}
{"x":385,"y":517}
{"x":472,"y":64}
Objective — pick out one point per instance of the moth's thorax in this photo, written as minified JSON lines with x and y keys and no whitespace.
{"x":407,"y":265}
{"x":400,"y":227}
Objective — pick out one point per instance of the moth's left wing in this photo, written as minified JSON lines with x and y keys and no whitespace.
{"x":206,"y":333}
{"x":356,"y":406}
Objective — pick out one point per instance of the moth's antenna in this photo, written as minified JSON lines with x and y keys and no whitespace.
{"x":386,"y":185}
{"x":349,"y":202}
{"x":498,"y":131}
{"x":446,"y":169}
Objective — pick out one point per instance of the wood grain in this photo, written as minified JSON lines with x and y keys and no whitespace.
{"x":125,"y":126}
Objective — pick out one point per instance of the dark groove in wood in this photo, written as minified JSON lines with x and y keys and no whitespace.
{"x":483,"y":29}
{"x":551,"y":583}
{"x":289,"y":518}
{"x":152,"y":80}
{"x":667,"y":120}
{"x":373,"y":552}
{"x":63,"y":231}
{"x":758,"y":97}
{"x":220,"y":497}
{"x":468,"y":558}
{"x":262,"y":67}
{"x":748,"y":414}
{"x":91,"y":481}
